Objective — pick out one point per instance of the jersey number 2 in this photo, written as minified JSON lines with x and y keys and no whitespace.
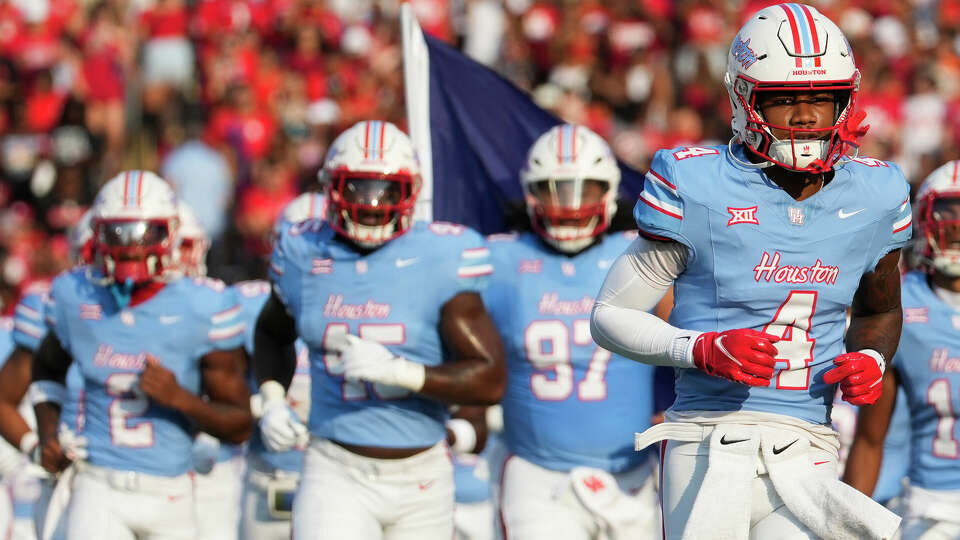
{"x":547,"y":345}
{"x":128,"y":403}
{"x":792,"y":325}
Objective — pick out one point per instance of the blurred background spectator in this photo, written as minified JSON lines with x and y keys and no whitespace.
{"x":235,"y":101}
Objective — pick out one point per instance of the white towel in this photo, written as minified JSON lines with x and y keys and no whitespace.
{"x":828,"y":507}
{"x":623,"y":515}
{"x":721,"y":510}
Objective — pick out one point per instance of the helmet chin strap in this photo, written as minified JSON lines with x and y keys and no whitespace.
{"x":748,"y":164}
{"x":122,"y":293}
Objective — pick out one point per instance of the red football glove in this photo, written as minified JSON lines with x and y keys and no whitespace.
{"x":859,"y":376}
{"x":742,"y":355}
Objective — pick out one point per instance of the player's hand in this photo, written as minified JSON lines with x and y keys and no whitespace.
{"x":742,"y":355}
{"x":160,"y":384}
{"x":74,"y":446}
{"x":206,"y":450}
{"x":280,"y":427}
{"x":859,"y":375}
{"x":365,"y":360}
{"x":52,"y":458}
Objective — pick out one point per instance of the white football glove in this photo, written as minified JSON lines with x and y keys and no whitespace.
{"x":73,"y":446}
{"x":365,"y":360}
{"x":279,"y":425}
{"x":206,"y":450}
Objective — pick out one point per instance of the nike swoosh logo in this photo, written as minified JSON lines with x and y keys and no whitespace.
{"x":719,"y":344}
{"x":820,"y":462}
{"x":406,"y":262}
{"x":723,"y":440}
{"x":169,"y":319}
{"x":779,"y":450}
{"x":844,"y":215}
{"x":424,"y":485}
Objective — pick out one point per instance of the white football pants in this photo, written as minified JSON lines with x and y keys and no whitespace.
{"x":538,"y":503}
{"x":684,"y":465}
{"x":474,"y":521}
{"x":109,"y":504}
{"x":930,"y":514}
{"x":218,"y":500}
{"x":256,"y":522}
{"x":344,"y":496}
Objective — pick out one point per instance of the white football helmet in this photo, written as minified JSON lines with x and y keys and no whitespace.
{"x":194,"y":243}
{"x":565,"y":165}
{"x":937,"y":242}
{"x":80,"y":240}
{"x":135,"y":224}
{"x":372,"y":178}
{"x":792,"y":47}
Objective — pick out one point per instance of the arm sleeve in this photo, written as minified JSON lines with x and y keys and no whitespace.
{"x":621,"y":320}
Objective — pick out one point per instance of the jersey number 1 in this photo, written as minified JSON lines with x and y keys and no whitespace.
{"x":792,"y":325}
{"x":945,"y":445}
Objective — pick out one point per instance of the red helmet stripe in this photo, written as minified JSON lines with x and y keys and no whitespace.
{"x":139,"y":187}
{"x":794,"y":30}
{"x":126,"y":188}
{"x":813,"y":33}
{"x":366,"y":140}
{"x":573,"y":144}
{"x":383,"y":126}
{"x":560,"y":144}
{"x":956,"y":163}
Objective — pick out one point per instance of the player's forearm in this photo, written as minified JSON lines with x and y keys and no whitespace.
{"x":14,"y":382}
{"x":863,"y":465}
{"x":228,"y":422}
{"x":466,"y":382}
{"x":48,"y":420}
{"x":877,"y":331}
{"x":274,"y":354}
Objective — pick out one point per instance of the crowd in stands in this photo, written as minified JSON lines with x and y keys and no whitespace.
{"x":235,"y":101}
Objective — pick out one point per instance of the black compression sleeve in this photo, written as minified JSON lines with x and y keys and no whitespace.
{"x":51,"y":361}
{"x":274,"y":356}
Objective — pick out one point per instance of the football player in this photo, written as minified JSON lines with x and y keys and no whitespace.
{"x":391,"y":313}
{"x":569,"y":407}
{"x":767,"y":241}
{"x":17,"y":421}
{"x":272,"y":477}
{"x":219,"y":482}
{"x":927,"y":368}
{"x":147,"y":343}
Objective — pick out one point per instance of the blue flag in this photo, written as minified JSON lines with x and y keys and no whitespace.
{"x":480,"y":128}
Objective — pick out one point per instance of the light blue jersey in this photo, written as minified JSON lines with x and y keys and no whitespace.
{"x":392,"y":295}
{"x":896,"y":452}
{"x":253,"y":295}
{"x":29,"y":329}
{"x":568,"y":402}
{"x":7,"y":342}
{"x":185,"y":320}
{"x":928,"y":365}
{"x":759,"y":259}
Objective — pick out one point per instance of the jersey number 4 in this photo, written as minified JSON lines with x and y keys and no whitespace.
{"x":945,"y":445}
{"x":548,"y":347}
{"x":792,"y":324}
